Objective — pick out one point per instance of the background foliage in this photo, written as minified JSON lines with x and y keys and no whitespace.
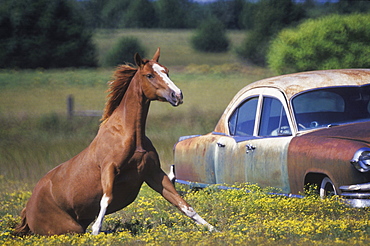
{"x":41,"y":33}
{"x":326,"y":43}
{"x":270,"y":16}
{"x":50,"y":34}
{"x":210,"y":36}
{"x":123,"y":51}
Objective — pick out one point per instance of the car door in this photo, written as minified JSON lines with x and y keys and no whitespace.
{"x":229,"y":155}
{"x":256,"y":149}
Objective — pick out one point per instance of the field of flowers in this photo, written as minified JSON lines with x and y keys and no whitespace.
{"x":242,"y":218}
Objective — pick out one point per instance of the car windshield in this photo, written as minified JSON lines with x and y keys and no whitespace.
{"x":332,"y":106}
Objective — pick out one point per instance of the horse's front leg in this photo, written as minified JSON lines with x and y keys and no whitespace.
{"x":159,"y":181}
{"x":107,"y":179}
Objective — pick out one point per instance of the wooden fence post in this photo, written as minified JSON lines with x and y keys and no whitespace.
{"x":71,"y":112}
{"x":70,"y":106}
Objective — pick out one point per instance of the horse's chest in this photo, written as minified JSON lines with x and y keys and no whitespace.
{"x":132,"y":170}
{"x":128,"y":182}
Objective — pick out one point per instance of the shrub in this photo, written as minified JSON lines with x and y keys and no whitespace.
{"x":210,"y":36}
{"x":327,"y":43}
{"x":41,"y":33}
{"x":123,"y":51}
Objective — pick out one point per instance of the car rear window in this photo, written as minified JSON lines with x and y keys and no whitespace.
{"x":329,"y":106}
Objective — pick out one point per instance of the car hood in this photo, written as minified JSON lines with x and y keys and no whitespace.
{"x":356,"y":132}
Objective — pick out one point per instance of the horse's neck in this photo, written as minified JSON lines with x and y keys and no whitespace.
{"x":133,"y":111}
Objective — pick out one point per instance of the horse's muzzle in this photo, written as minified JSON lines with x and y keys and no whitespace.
{"x":176,"y":99}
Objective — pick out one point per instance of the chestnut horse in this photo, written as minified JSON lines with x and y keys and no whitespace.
{"x":108,"y":174}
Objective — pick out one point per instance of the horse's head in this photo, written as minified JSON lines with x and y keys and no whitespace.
{"x":156,"y":83}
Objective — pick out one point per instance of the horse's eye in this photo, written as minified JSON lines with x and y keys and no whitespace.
{"x":150,"y":76}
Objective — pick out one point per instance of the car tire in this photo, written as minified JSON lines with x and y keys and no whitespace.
{"x":327,"y":188}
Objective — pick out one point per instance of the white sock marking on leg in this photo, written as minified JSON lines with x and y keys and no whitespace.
{"x":190,"y":212}
{"x":99,"y":221}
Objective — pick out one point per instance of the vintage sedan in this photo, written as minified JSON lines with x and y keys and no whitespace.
{"x":287,"y":132}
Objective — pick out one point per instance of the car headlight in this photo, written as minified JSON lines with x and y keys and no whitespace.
{"x":361,"y":160}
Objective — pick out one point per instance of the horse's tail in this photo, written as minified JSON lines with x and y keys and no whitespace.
{"x":23,"y":228}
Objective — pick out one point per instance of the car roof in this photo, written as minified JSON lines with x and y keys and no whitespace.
{"x":292,"y":84}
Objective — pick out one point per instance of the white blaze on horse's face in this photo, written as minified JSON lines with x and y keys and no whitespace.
{"x":175,"y":97}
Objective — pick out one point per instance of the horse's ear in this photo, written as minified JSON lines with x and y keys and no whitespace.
{"x":138,"y":60}
{"x":156,"y":55}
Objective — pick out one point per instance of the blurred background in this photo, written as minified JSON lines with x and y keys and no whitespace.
{"x":90,"y":33}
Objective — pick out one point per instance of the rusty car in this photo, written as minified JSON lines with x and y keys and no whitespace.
{"x":288,"y":132}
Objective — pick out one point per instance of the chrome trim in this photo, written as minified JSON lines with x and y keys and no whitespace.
{"x":357,"y":163}
{"x":357,"y":203}
{"x":356,"y":195}
{"x":356,"y":187}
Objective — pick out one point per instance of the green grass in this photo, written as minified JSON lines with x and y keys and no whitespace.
{"x":175,"y":45}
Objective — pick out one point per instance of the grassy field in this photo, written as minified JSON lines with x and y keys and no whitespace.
{"x":175,"y":45}
{"x":35,"y":136}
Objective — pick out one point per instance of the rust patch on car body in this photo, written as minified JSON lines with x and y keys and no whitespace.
{"x":328,"y":149}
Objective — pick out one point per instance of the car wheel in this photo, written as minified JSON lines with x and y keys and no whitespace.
{"x":327,"y":188}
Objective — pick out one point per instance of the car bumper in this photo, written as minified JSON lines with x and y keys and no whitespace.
{"x":357,"y":195}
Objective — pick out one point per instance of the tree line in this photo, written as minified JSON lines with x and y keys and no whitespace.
{"x":58,"y":33}
{"x":234,"y":14}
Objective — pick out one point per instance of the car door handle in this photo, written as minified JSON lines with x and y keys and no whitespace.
{"x":221,"y":145}
{"x":249,"y":147}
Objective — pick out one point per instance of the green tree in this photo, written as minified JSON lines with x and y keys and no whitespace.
{"x":210,"y":36}
{"x":92,"y":12}
{"x":269,"y":18}
{"x":331,"y":42}
{"x":123,"y":51}
{"x":45,"y":34}
{"x":172,"y":13}
{"x":113,"y":13}
{"x":228,"y":12}
{"x":140,"y":14}
{"x":352,"y":6}
{"x":246,"y":19}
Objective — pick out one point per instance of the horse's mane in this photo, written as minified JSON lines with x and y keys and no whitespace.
{"x":117,"y":88}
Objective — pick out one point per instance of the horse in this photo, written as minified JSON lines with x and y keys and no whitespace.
{"x":107,"y":175}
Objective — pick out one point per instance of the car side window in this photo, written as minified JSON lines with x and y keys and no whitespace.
{"x":241,"y":122}
{"x":274,"y":121}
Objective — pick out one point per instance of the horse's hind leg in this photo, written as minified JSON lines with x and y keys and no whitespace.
{"x":65,"y":224}
{"x":46,"y":218}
